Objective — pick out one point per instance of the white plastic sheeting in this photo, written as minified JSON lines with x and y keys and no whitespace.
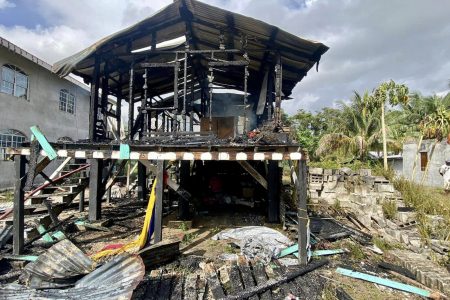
{"x":258,"y":242}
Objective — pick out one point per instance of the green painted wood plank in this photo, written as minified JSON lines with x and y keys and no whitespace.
{"x":59,"y":235}
{"x":324,"y":252}
{"x":21,"y":257}
{"x":51,"y":153}
{"x":124,"y":151}
{"x":46,"y":237}
{"x":288,"y":250}
{"x":382,"y":281}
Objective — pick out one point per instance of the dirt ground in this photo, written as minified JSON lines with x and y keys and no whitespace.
{"x":126,"y":218}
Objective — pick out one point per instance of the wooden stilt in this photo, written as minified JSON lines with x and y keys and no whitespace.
{"x":142,"y":182}
{"x":159,"y":200}
{"x":18,"y":215}
{"x":183,"y":204}
{"x":95,"y":189}
{"x":273,"y":182}
{"x":81,"y":204}
{"x":302,"y":213}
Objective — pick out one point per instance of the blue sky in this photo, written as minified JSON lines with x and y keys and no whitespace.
{"x":370,"y":41}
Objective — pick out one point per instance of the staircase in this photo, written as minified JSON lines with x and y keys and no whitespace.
{"x":63,"y":192}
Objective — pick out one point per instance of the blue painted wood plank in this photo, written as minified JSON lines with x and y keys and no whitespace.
{"x":51,"y":153}
{"x":124,"y":151}
{"x":382,"y":281}
{"x":324,"y":252}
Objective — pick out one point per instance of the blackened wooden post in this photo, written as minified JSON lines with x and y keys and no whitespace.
{"x":302,"y":213}
{"x":159,"y":200}
{"x":18,"y":215}
{"x":273,"y":187}
{"x":183,"y":204}
{"x":81,"y":204}
{"x":93,"y":113}
{"x":119,"y":106}
{"x":142,"y":182}
{"x":95,"y":189}
{"x":131,"y":104}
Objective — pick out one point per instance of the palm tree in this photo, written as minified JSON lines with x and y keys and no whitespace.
{"x":357,"y":129}
{"x":394,"y":94}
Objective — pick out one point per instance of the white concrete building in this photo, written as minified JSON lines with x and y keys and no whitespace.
{"x":31,"y":94}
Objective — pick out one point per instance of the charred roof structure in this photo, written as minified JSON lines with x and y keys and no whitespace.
{"x":188,"y":49}
{"x":201,"y":84}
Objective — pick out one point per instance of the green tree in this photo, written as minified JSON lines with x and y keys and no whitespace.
{"x":310,"y":127}
{"x":388,"y":93}
{"x":355,"y":132}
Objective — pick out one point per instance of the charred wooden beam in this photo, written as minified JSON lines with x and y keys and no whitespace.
{"x":93,"y":112}
{"x":142,"y":182}
{"x":95,"y":189}
{"x":18,"y":210}
{"x":302,"y":185}
{"x":273,"y":195}
{"x":159,"y":200}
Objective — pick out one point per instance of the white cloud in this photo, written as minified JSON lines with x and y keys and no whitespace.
{"x":370,"y":41}
{"x":6,"y":4}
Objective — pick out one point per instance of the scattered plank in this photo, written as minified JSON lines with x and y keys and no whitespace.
{"x":213,"y":282}
{"x":235,"y":280}
{"x":153,"y":286}
{"x":261,"y":278}
{"x":246,"y":274}
{"x":190,"y":287}
{"x":166,"y":283}
{"x":277,"y":281}
{"x":385,"y":282}
{"x":177,"y":287}
{"x":160,"y":253}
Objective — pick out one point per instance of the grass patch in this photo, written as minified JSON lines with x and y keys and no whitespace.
{"x":426,"y":201}
{"x":189,"y":237}
{"x":384,"y":245}
{"x":389,"y":209}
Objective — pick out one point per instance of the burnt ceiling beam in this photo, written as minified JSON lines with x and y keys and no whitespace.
{"x":230,"y":34}
{"x":312,"y":57}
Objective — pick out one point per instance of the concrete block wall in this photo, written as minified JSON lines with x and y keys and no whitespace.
{"x":41,"y":108}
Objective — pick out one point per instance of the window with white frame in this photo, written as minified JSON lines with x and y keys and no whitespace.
{"x":14,"y":81}
{"x":66,"y":101}
{"x":10,"y":138}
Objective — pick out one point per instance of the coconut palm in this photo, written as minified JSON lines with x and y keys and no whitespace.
{"x":357,"y":130}
{"x":388,"y":93}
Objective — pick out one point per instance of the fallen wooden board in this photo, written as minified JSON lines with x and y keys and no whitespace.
{"x":160,"y":253}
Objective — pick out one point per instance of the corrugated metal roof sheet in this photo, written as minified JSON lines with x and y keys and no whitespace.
{"x":116,"y":279}
{"x":207,"y":23}
{"x":61,"y":265}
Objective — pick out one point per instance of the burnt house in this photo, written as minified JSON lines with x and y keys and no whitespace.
{"x":203,"y":87}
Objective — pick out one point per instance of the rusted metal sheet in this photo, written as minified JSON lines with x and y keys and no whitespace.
{"x":116,"y":279}
{"x":5,"y":235}
{"x":61,"y":265}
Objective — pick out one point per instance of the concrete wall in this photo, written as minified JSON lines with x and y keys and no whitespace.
{"x":41,"y":108}
{"x":441,"y":153}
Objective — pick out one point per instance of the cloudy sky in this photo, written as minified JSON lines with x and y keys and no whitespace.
{"x":370,"y":41}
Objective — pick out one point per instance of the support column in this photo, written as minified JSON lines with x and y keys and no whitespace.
{"x":302,"y":212}
{"x":93,"y":112}
{"x":18,"y":215}
{"x":183,"y":204}
{"x":142,"y":183}
{"x":159,"y":200}
{"x":274,"y":184}
{"x":81,"y":204}
{"x":95,"y":189}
